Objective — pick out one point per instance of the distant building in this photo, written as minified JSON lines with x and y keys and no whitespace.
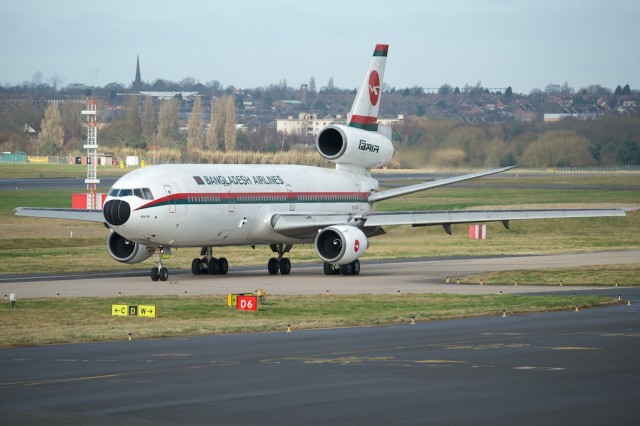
{"x":308,"y":123}
{"x":163,"y":96}
{"x":137,"y":82}
{"x":551,"y":118}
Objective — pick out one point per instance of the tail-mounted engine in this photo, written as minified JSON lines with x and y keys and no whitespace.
{"x":126,"y":251}
{"x":340,"y":244}
{"x":349,"y":145}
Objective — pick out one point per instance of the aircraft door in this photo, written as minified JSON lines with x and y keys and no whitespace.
{"x":232,"y":204}
{"x":292,"y":205}
{"x":170,"y":200}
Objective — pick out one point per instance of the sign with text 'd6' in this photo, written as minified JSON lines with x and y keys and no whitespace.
{"x":247,"y":303}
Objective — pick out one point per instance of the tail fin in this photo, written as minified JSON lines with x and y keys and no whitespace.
{"x":364,"y":112}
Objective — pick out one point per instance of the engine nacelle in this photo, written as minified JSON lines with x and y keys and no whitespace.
{"x":341,"y":244}
{"x":349,"y":145}
{"x":126,"y":251}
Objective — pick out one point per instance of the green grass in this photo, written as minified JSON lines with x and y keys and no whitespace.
{"x":596,"y":275}
{"x":53,"y":320}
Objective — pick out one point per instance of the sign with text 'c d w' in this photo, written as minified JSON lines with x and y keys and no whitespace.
{"x":247,"y":303}
{"x":149,"y":311}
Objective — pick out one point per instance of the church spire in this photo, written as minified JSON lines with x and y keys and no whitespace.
{"x":137,"y":83}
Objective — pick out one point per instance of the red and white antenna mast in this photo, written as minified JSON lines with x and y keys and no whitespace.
{"x":91,"y":146}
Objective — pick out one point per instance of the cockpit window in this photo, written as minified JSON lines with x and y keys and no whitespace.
{"x":144,"y":193}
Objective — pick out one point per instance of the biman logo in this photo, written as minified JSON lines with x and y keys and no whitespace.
{"x":374,"y":87}
{"x":369,"y":147}
{"x":356,"y":246}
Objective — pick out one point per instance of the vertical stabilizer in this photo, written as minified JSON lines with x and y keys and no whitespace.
{"x":364,"y":112}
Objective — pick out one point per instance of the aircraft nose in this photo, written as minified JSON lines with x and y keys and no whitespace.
{"x":116,"y":212}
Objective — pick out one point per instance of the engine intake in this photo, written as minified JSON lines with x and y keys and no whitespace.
{"x":126,"y":251}
{"x":349,"y":145}
{"x":340,"y":244}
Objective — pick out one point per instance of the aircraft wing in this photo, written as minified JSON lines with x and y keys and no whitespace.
{"x":53,"y":213}
{"x":307,"y":225}
{"x":426,"y":218}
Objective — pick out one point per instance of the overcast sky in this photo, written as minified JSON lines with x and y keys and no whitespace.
{"x":524,"y":44}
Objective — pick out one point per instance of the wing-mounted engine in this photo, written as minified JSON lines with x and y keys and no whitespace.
{"x":126,"y":251}
{"x":340,"y":244}
{"x":345,"y":145}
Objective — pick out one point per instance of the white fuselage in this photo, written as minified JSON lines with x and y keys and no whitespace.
{"x":217,"y":205}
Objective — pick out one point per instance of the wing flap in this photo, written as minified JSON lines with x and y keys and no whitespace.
{"x":425,"y":218}
{"x":53,"y":213}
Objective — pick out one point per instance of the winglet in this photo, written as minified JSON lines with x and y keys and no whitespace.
{"x":364,"y":112}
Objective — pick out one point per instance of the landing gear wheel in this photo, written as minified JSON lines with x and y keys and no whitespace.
{"x":356,"y":267}
{"x":213,"y":266}
{"x":223,"y":266}
{"x":163,"y":274}
{"x":346,"y":269}
{"x":195,"y":267}
{"x":330,"y":269}
{"x":285,"y":266}
{"x":155,"y":275}
{"x":273,"y":266}
{"x":352,"y":268}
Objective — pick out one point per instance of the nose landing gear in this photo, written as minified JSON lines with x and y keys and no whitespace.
{"x":160,"y":272}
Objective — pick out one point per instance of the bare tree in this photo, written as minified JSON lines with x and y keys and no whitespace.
{"x":51,"y":135}
{"x":133,"y":120}
{"x":148,"y":121}
{"x":168,"y":122}
{"x":195,"y":137}
{"x":215,"y":137}
{"x":230,"y":130}
{"x":72,"y":119}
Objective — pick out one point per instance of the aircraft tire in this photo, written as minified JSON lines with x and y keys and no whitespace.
{"x":273,"y":266}
{"x":155,"y":275}
{"x":195,"y":267}
{"x":356,"y":267}
{"x":164,"y":274}
{"x":285,"y":266}
{"x":347,"y":269}
{"x":328,"y":269}
{"x":213,"y":266}
{"x":224,"y":266}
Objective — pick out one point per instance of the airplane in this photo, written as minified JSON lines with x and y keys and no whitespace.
{"x":155,"y":209}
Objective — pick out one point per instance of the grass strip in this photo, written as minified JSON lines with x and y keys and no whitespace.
{"x":58,"y":320}
{"x":595,"y":275}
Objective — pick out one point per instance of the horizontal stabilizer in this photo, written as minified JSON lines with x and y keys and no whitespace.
{"x":391,"y":193}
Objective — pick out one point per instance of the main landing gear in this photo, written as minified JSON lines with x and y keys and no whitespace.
{"x":352,"y":268}
{"x":209,"y":264}
{"x":282,"y":264}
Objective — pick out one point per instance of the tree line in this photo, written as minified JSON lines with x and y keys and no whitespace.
{"x":609,"y":140}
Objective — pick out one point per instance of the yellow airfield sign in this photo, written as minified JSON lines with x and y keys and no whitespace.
{"x":149,"y":311}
